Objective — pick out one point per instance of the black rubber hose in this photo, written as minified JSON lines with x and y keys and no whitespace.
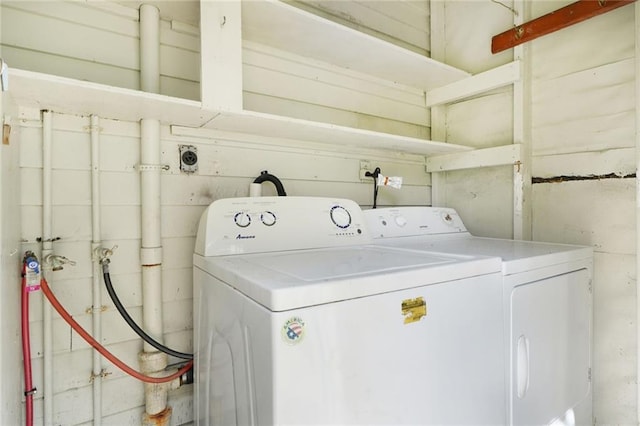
{"x":140,"y":332}
{"x":265,"y":176}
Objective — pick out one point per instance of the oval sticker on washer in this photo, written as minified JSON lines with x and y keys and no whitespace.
{"x":293,"y":330}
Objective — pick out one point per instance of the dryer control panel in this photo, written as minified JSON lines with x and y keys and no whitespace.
{"x":265,"y":224}
{"x":413,"y":221}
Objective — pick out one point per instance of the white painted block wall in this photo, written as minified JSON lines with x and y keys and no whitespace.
{"x":98,"y":42}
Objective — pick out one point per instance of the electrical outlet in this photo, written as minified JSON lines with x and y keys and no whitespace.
{"x":365,"y":166}
{"x":188,"y":158}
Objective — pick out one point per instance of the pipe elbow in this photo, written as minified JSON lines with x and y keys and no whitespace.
{"x":265,"y":176}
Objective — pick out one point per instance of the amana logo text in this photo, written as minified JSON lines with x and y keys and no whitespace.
{"x":245,"y":237}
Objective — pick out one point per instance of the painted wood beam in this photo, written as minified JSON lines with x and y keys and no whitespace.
{"x":521,"y":131}
{"x":554,"y":21}
{"x":221,"y":55}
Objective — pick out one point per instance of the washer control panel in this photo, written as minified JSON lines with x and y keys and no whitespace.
{"x":412,"y":221}
{"x":264,"y":224}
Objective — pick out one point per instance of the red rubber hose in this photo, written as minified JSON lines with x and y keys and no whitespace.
{"x":103,"y":351}
{"x":26,"y":353}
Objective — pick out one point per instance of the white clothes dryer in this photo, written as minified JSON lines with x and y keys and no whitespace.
{"x":300,"y":320}
{"x":547,"y":306}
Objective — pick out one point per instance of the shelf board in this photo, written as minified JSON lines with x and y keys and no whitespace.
{"x":70,"y":96}
{"x":311,"y":131}
{"x":280,"y":25}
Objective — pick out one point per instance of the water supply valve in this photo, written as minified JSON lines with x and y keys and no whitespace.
{"x":31,"y":271}
{"x":56,"y":261}
{"x":102,"y":254}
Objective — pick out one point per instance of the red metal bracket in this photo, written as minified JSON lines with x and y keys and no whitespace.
{"x":554,"y":21}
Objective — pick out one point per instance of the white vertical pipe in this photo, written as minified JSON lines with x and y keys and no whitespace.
{"x":255,"y":190}
{"x":47,"y":249}
{"x":97,"y":270}
{"x":150,"y":178}
{"x":149,"y":48}
{"x":151,"y":253}
{"x":151,"y":246}
{"x":637,"y":74}
{"x":95,"y":179}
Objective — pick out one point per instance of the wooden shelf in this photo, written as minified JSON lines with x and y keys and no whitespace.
{"x":70,"y":96}
{"x":285,"y":27}
{"x":272,"y":23}
{"x":311,"y":131}
{"x":66,"y":95}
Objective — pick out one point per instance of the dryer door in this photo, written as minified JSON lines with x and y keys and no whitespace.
{"x":550,"y":347}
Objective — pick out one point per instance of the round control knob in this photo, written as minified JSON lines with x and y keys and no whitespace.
{"x":340,"y":217}
{"x":268,"y":218}
{"x":401,"y":221}
{"x":242,"y":219}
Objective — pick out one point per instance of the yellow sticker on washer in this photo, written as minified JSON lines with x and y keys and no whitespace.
{"x":414,"y":309}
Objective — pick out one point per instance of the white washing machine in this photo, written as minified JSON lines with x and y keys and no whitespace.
{"x":547,"y":305}
{"x":300,"y":320}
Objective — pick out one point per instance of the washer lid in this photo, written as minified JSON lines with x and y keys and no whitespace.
{"x":295,"y":279}
{"x":517,"y":256}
